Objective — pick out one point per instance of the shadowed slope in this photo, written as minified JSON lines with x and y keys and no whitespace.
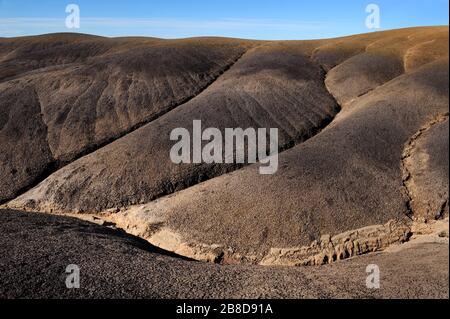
{"x":85,"y":91}
{"x":35,"y":250}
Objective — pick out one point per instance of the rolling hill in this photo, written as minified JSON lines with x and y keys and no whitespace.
{"x":363,"y":140}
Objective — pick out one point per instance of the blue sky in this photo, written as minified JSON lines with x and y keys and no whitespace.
{"x":255,"y":19}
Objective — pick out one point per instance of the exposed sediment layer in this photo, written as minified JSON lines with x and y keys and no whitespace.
{"x":342,"y":246}
{"x":425,"y":170}
{"x":392,"y":236}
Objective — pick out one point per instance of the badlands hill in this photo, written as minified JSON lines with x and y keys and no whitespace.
{"x":363,"y":126}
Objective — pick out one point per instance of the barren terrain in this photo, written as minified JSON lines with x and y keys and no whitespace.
{"x":363,"y":166}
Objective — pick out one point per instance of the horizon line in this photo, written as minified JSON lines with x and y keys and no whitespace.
{"x":209,"y":36}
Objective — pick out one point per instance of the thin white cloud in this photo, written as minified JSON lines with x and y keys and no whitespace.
{"x":22,"y":23}
{"x":27,"y":24}
{"x":228,"y":24}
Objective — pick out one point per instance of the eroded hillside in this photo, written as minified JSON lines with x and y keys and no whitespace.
{"x":363,"y":124}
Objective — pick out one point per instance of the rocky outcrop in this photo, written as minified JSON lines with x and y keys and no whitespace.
{"x":342,"y":246}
